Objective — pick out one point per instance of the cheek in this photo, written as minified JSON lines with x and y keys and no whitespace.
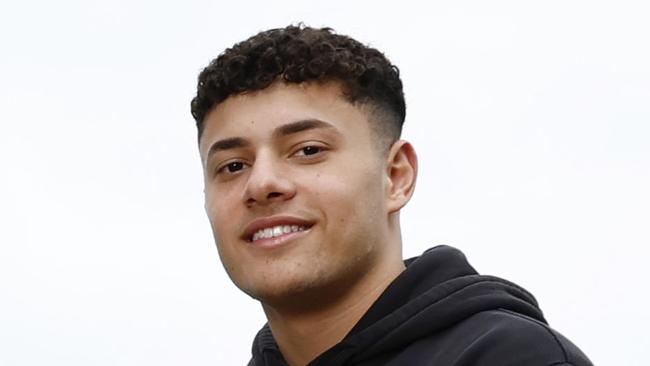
{"x":220,"y":206}
{"x":346,"y":195}
{"x":220,"y":211}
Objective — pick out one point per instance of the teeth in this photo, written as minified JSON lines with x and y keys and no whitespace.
{"x":272,"y":232}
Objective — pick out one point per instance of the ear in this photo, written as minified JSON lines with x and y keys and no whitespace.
{"x":401,"y":174}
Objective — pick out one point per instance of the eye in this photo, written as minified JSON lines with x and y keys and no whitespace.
{"x":309,"y":150}
{"x":231,"y":168}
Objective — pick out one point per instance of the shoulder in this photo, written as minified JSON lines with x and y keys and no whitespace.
{"x":507,"y":338}
{"x":493,"y":337}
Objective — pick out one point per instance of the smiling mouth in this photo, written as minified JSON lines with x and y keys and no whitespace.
{"x":276,"y":231}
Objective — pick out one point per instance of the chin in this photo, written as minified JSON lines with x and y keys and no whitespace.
{"x":301,"y":291}
{"x":295,"y":291}
{"x":274,"y":288}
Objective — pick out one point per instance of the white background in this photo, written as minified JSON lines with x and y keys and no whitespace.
{"x":531,"y":120}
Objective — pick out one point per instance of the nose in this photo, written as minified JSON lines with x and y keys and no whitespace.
{"x":268,"y":182}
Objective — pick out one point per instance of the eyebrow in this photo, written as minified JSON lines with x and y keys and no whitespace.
{"x":227,"y":144}
{"x":299,"y":126}
{"x":281,"y":131}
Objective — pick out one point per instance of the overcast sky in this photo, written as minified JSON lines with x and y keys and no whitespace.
{"x":531,"y":121}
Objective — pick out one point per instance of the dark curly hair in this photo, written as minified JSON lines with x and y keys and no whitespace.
{"x":297,"y":54}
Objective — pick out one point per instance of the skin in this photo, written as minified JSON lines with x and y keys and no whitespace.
{"x":302,"y":152}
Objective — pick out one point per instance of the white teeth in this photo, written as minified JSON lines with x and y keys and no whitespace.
{"x":271,"y":232}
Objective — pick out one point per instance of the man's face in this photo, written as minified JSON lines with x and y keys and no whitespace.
{"x":295,"y":189}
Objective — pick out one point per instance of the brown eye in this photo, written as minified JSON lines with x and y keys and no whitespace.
{"x":231,"y":168}
{"x":311,"y":150}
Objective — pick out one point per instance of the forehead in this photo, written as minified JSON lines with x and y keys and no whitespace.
{"x":257,"y":114}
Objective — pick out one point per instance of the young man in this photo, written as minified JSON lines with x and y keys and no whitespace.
{"x":305,"y":176}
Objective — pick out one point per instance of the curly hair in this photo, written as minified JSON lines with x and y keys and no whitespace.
{"x":297,"y":54}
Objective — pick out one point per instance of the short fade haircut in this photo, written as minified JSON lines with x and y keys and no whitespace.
{"x":298,"y":54}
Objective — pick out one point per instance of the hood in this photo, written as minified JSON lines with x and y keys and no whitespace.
{"x":437,"y":289}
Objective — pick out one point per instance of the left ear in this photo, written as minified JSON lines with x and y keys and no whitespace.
{"x":401,"y":174}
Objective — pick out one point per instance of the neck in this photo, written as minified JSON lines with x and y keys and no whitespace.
{"x":304,"y":334}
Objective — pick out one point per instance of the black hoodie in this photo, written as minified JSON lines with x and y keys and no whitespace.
{"x":441,"y":312}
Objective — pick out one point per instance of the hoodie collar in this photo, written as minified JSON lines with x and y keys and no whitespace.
{"x":437,"y":289}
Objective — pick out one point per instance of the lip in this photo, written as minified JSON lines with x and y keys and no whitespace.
{"x":278,"y":241}
{"x":271,"y":221}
